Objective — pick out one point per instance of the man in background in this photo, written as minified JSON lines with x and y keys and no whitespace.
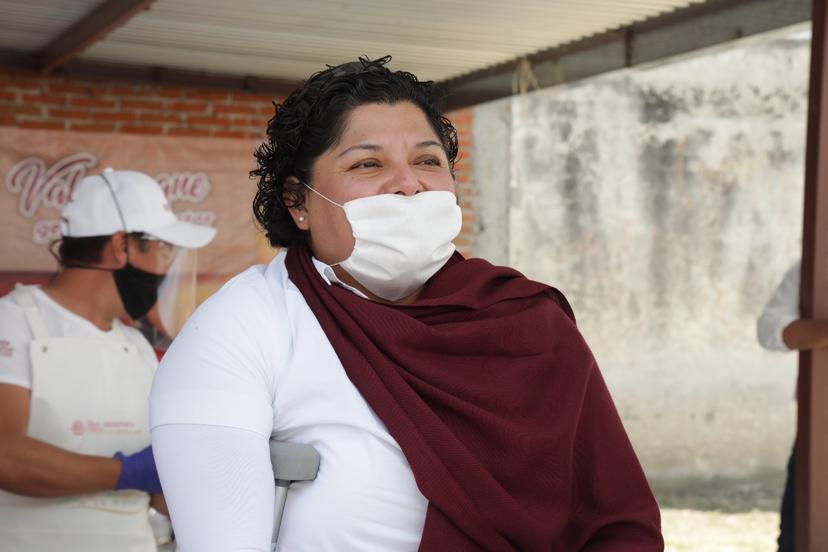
{"x":780,"y":328}
{"x":76,"y":467}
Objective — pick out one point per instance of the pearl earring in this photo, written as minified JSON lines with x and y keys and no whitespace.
{"x":302,"y":219}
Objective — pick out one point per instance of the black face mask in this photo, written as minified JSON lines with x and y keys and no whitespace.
{"x":138,"y":289}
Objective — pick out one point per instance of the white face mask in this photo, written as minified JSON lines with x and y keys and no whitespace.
{"x":400,"y":241}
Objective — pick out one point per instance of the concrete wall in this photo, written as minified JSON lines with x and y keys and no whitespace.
{"x":666,"y":203}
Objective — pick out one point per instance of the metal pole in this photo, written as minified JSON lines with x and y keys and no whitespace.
{"x":812,"y":437}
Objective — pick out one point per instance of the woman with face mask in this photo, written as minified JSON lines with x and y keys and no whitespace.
{"x":454,"y":404}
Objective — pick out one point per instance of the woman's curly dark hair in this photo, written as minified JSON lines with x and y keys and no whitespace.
{"x":311,"y":120}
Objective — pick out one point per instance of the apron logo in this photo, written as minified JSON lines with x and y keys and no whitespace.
{"x":78,"y":427}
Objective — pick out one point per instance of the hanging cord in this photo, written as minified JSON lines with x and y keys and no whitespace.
{"x":114,"y":199}
{"x":523,"y":78}
{"x":54,"y":243}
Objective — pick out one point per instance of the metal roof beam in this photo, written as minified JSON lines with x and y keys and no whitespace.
{"x":13,"y":60}
{"x":678,"y":32}
{"x":104,"y":19}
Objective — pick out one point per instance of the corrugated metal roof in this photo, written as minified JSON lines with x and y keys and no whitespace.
{"x":436,"y":39}
{"x":31,"y":24}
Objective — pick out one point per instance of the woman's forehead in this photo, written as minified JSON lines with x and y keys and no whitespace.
{"x":386,"y":122}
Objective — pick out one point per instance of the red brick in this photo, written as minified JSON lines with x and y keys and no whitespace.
{"x":249,"y":110}
{"x":159,"y":118}
{"x":248,"y":97}
{"x":184,"y":107}
{"x":168,"y":93}
{"x":254,"y":135}
{"x":69,"y":88}
{"x":135,"y":129}
{"x":230,"y":134}
{"x":265,"y":111}
{"x":464,"y":116}
{"x":116,"y":116}
{"x":53,"y":125}
{"x":92,"y":127}
{"x":25,"y":84}
{"x":207,"y":121}
{"x":122,"y":91}
{"x":214,"y":95}
{"x":53,"y":99}
{"x":102,"y":94}
{"x":187,"y":132}
{"x":7,"y":120}
{"x":69,"y":114}
{"x":21,"y":109}
{"x":8,"y":96}
{"x":140,"y":104}
{"x":92,"y":102}
{"x":255,"y":123}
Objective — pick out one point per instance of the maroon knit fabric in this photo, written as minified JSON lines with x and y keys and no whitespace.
{"x":499,"y":407}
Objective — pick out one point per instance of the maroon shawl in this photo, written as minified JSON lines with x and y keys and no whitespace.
{"x":499,"y":407}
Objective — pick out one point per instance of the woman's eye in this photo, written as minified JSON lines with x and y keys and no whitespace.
{"x":431,"y":162}
{"x":367,"y":164}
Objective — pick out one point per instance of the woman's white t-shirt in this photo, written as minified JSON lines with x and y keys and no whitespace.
{"x":252,"y":362}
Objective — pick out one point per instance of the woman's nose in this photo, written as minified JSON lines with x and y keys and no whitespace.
{"x":405,"y":182}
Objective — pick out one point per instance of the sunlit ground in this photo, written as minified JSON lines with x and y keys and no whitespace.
{"x":704,"y":531}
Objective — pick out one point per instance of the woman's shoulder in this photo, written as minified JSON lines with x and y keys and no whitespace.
{"x":260,"y":287}
{"x":241,"y":328}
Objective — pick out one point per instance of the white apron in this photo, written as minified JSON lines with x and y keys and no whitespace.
{"x":89,"y":396}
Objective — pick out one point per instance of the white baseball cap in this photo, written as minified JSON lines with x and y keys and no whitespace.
{"x":117,"y":201}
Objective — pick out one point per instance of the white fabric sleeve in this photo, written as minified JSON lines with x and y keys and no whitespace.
{"x":15,"y":336}
{"x":219,"y":488}
{"x":220,"y":368}
{"x":781,"y":310}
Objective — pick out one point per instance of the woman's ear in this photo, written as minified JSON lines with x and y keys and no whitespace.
{"x":294,"y":199}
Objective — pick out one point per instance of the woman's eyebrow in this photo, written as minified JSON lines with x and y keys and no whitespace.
{"x":428,"y":144}
{"x":369,"y":147}
{"x":375,"y":147}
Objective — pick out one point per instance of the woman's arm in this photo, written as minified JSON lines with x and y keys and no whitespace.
{"x":218,"y":484}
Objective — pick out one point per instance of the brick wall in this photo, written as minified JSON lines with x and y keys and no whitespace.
{"x":30,"y":101}
{"x":33,"y":101}
{"x":462,"y":120}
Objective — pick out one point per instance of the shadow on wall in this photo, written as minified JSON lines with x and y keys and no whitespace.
{"x":666,"y":203}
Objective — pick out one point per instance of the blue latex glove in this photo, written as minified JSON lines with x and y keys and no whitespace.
{"x":138,"y":472}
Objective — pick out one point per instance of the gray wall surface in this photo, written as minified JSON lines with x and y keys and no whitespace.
{"x":666,"y":203}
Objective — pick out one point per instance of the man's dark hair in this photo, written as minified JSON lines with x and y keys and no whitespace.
{"x":89,"y":250}
{"x":311,"y":120}
{"x":85,"y":251}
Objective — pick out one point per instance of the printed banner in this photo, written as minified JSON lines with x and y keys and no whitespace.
{"x":205,"y":179}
